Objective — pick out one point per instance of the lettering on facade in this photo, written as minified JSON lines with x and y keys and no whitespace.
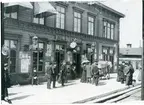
{"x":62,"y":38}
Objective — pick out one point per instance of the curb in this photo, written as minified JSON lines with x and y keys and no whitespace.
{"x":102,"y":95}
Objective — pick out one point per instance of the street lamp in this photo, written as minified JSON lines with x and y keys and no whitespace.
{"x":34,"y":47}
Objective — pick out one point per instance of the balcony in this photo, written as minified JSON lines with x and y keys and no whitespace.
{"x":57,"y":33}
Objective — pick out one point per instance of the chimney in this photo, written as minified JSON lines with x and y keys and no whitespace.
{"x":129,"y":45}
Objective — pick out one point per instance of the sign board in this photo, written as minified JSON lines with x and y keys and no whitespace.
{"x":25,"y":62}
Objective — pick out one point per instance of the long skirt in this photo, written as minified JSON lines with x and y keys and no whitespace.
{"x":83,"y":78}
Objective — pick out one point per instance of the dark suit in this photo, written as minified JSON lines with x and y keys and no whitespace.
{"x":63,"y":74}
{"x":51,"y":76}
{"x":5,"y":77}
{"x":95,"y":73}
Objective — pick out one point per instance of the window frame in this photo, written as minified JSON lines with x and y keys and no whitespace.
{"x":60,"y":19}
{"x":16,"y":50}
{"x":93,"y":17}
{"x":10,"y":15}
{"x":108,"y":30}
{"x":38,"y":20}
{"x":77,"y":18}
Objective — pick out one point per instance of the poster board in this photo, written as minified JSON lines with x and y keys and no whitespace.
{"x":25,"y":62}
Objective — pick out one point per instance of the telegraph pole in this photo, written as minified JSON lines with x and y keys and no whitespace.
{"x":142,"y":72}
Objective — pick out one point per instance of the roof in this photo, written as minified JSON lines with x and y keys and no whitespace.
{"x":110,"y":9}
{"x":131,"y":51}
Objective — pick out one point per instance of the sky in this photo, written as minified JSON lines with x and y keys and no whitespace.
{"x":131,"y":24}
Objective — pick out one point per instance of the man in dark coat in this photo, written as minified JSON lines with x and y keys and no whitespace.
{"x":129,"y":73}
{"x":95,"y":72}
{"x":121,"y":72}
{"x":5,"y":76}
{"x":63,"y":73}
{"x":51,"y":75}
{"x":54,"y":74}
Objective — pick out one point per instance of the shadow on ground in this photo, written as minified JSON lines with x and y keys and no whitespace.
{"x":13,"y":93}
{"x":101,"y":83}
{"x":20,"y":97}
{"x":66,"y":85}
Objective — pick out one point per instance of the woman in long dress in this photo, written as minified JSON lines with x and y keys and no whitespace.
{"x":83,"y":78}
{"x":139,"y":74}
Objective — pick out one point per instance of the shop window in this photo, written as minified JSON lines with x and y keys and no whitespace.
{"x":12,"y":44}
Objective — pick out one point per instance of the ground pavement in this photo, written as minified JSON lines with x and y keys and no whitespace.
{"x":73,"y":91}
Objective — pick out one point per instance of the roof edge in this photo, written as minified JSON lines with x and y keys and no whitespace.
{"x":110,"y":9}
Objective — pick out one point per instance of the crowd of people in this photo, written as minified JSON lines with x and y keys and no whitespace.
{"x":125,"y":73}
{"x":90,"y":73}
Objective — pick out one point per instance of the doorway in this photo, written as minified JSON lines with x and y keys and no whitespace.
{"x":77,"y":60}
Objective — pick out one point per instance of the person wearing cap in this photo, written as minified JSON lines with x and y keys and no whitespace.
{"x":63,"y":73}
{"x":128,"y":71}
{"x":121,"y":72}
{"x":95,"y":72}
{"x":34,"y":45}
{"x":5,"y":77}
{"x":54,"y":74}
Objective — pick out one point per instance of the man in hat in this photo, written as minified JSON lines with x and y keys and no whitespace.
{"x":95,"y":72}
{"x":34,"y":45}
{"x":5,"y":75}
{"x":128,"y":73}
{"x":121,"y":76}
{"x":54,"y":73}
{"x":51,"y":74}
{"x":63,"y":72}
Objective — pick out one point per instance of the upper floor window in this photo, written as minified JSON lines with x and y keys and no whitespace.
{"x":108,"y":29}
{"x":11,"y":15}
{"x":60,"y":17}
{"x":77,"y":22}
{"x":38,"y":20}
{"x":90,"y":25}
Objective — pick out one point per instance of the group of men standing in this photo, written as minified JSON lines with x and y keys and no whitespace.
{"x":125,"y":73}
{"x":90,"y":73}
{"x":52,"y":74}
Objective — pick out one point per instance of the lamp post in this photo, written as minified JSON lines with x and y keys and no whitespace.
{"x":142,"y":72}
{"x":34,"y":47}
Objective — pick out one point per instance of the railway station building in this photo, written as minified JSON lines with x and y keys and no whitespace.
{"x":94,"y":27}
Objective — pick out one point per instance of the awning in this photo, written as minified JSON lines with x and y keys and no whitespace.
{"x":13,"y":6}
{"x":44,"y":9}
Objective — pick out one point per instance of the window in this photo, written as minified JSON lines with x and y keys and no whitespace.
{"x":112,"y":31}
{"x":90,"y":25}
{"x":12,"y":44}
{"x":11,"y":15}
{"x":60,"y":18}
{"x":108,"y":29}
{"x":38,"y":20}
{"x":38,"y":57}
{"x":77,"y":22}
